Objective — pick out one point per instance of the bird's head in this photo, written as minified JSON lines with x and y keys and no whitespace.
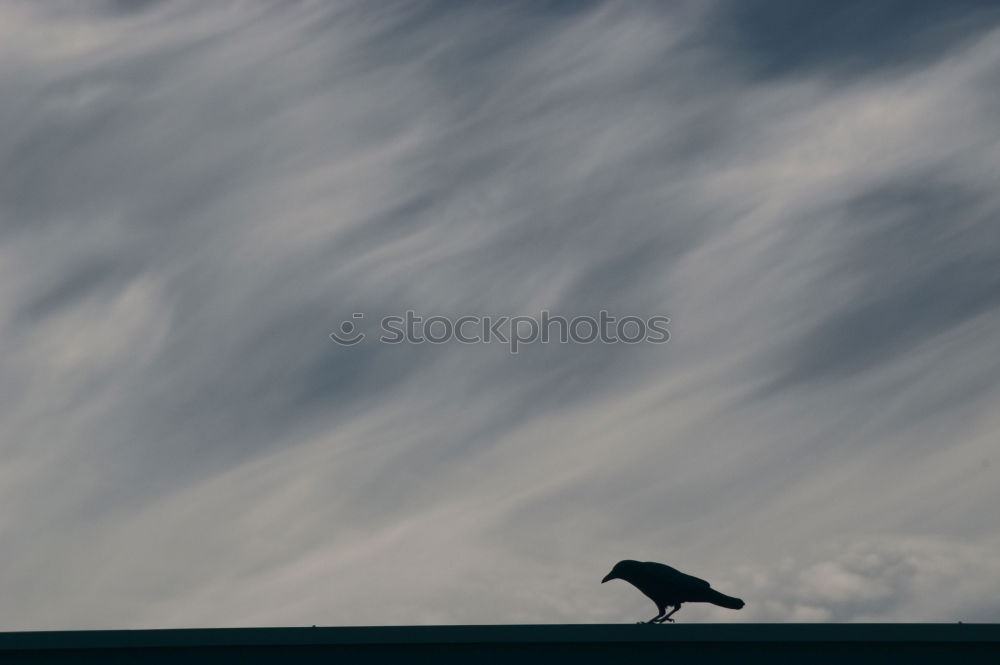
{"x":622,"y":570}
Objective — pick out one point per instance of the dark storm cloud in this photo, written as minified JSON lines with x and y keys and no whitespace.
{"x":788,"y":38}
{"x":923,"y":254}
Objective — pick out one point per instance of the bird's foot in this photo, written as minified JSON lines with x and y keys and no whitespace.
{"x":670,"y":620}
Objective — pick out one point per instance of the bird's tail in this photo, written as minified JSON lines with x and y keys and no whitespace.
{"x":722,"y":600}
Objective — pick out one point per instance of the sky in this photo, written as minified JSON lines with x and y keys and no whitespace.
{"x":193,"y":196}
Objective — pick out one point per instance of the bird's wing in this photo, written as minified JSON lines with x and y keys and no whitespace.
{"x":674,"y":577}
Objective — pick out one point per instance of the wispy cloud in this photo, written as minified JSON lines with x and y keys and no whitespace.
{"x":193,"y":195}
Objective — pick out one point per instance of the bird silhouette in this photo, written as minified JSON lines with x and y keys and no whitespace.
{"x":668,"y":587}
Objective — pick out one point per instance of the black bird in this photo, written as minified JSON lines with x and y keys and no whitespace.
{"x":668,"y":587}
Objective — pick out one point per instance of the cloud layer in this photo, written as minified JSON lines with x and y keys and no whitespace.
{"x":193,"y":195}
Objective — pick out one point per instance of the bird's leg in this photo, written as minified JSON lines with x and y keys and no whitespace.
{"x":659,"y":617}
{"x":667,"y":618}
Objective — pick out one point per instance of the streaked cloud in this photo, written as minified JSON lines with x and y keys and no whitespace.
{"x":194,"y":195}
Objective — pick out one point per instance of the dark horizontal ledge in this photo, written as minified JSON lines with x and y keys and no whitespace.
{"x":578,"y":634}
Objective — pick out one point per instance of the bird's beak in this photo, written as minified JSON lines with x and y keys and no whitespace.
{"x":609,"y":576}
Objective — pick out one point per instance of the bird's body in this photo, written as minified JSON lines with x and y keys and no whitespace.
{"x":669,"y":587}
